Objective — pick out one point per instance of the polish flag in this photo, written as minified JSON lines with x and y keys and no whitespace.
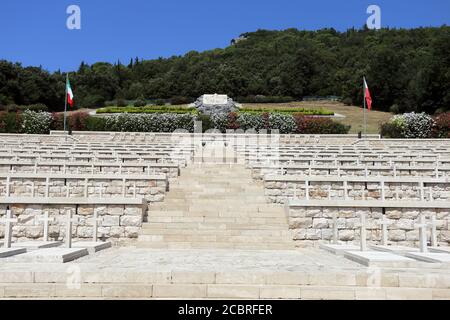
{"x":367,"y":95}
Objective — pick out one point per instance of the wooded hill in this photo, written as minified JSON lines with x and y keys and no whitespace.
{"x":407,"y":70}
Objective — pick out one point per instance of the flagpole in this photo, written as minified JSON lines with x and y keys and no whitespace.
{"x":365,"y":112}
{"x":65,"y":104}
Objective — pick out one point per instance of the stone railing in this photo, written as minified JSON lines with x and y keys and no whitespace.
{"x":182,"y":160}
{"x":119,"y":218}
{"x":259,"y":171}
{"x":312,"y":221}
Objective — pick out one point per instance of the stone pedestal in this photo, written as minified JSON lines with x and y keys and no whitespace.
{"x":52,"y":255}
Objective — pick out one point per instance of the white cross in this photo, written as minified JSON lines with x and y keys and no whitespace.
{"x":384,"y":232}
{"x":101,"y":189}
{"x":45,"y":219}
{"x":134,"y":189}
{"x":95,"y":222}
{"x":362,"y":227}
{"x":307,"y":190}
{"x":422,"y":233}
{"x":335,"y":229}
{"x":69,"y":220}
{"x":8,"y":221}
{"x":433,"y":225}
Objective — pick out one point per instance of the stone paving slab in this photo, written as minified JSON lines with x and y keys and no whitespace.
{"x":9,"y":252}
{"x":380,"y":259}
{"x":52,"y":255}
{"x":339,"y":249}
{"x":36,"y":245}
{"x":432,"y":257}
{"x":92,"y":247}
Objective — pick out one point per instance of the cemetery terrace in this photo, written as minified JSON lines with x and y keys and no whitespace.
{"x":191,"y":215}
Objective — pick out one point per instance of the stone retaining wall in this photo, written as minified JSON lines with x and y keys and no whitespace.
{"x":119,"y":221}
{"x":151,"y":190}
{"x":280,"y":191}
{"x":313,"y":224}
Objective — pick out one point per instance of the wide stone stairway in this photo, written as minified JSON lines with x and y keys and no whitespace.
{"x":216,"y":206}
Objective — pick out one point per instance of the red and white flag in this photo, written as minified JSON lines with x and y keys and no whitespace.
{"x":367,"y":95}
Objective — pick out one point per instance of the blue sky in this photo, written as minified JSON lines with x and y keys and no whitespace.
{"x":34,"y":32}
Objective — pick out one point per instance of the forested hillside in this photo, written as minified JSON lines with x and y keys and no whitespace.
{"x":407,"y":70}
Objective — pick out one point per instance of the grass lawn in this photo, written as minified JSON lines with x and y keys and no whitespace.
{"x":354,"y":116}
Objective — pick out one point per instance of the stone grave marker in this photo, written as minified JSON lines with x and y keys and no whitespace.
{"x":94,"y":245}
{"x":7,"y":251}
{"x":45,"y":243}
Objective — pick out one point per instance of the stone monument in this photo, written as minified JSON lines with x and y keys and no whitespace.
{"x":210,"y":104}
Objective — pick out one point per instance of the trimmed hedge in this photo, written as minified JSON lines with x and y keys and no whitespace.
{"x":146,"y":109}
{"x":304,"y":111}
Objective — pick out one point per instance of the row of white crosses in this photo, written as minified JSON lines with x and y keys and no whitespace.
{"x":422,"y":226}
{"x":101,"y":189}
{"x":382,"y":189}
{"x":69,"y":220}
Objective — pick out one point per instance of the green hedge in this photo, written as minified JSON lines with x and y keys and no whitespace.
{"x":304,"y":111}
{"x":146,"y":109}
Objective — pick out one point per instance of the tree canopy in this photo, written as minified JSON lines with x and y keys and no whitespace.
{"x":406,"y":69}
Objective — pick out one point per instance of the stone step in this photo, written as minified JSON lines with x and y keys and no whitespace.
{"x":214,"y":217}
{"x":215,"y":245}
{"x":212,"y":285}
{"x":218,"y":200}
{"x":230,"y":223}
{"x":242,"y":239}
{"x":216,"y":231}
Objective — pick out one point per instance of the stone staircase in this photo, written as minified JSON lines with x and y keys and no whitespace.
{"x":216,"y":206}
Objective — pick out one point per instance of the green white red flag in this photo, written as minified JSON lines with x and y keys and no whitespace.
{"x":69,"y":93}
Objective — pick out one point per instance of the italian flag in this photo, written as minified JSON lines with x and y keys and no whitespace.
{"x":69,"y":93}
{"x":367,"y":95}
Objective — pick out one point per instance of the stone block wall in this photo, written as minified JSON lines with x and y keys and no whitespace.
{"x":171,"y":172}
{"x":151,"y":190}
{"x":119,"y":221}
{"x":258,"y":173}
{"x":313,"y":224}
{"x":280,"y":191}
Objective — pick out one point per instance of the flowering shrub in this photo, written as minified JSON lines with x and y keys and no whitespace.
{"x":248,"y":121}
{"x":409,"y":125}
{"x":43,"y":122}
{"x":36,"y":122}
{"x":442,"y":127}
{"x":282,"y":122}
{"x":418,"y":125}
{"x":315,"y":125}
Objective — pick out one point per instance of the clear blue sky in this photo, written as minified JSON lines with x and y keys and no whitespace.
{"x":34,"y":31}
